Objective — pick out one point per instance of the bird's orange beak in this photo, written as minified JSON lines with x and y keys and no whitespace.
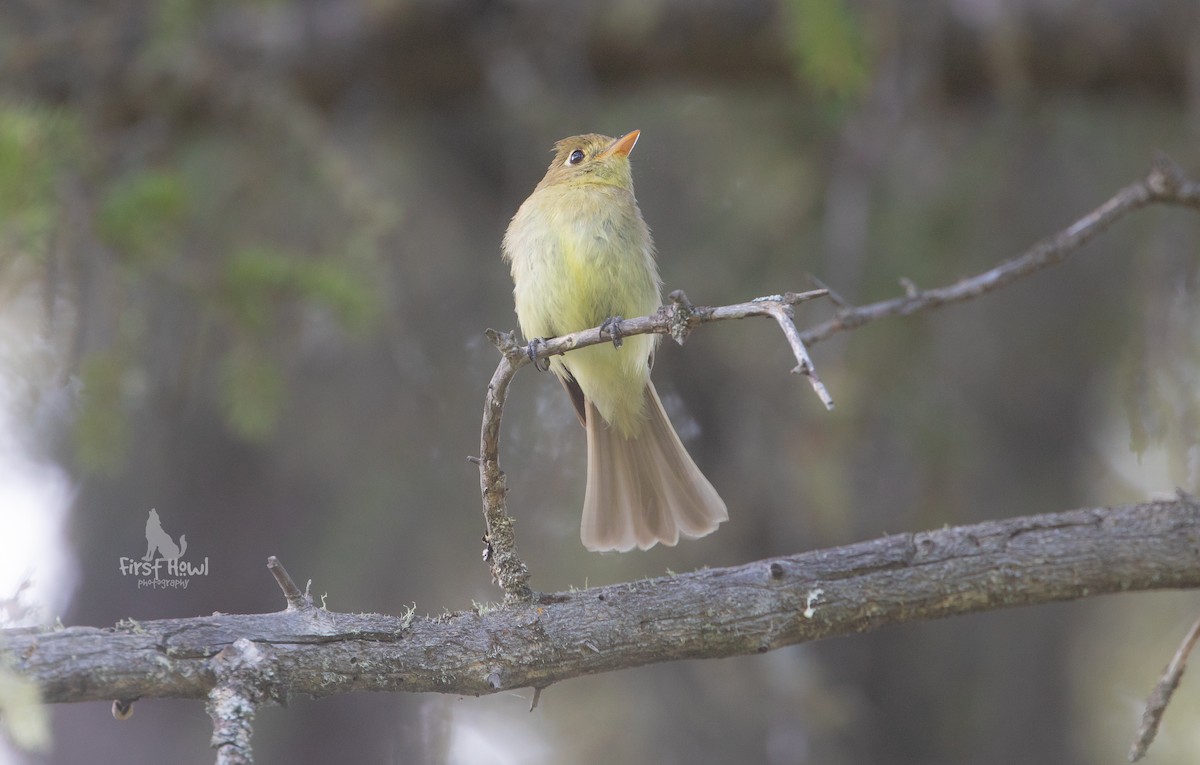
{"x":622,"y":146}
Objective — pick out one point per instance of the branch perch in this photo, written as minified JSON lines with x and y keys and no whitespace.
{"x":1164,"y":184}
{"x":239,"y":662}
{"x":678,"y":319}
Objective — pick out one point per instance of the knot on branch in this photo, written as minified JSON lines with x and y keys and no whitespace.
{"x":1166,"y":176}
{"x":680,"y":314}
{"x":506,"y":343}
{"x":911,"y":290}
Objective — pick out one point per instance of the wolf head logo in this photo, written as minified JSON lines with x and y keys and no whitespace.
{"x":160,"y":541}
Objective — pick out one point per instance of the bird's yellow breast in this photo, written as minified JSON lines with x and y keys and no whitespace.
{"x":581,"y":253}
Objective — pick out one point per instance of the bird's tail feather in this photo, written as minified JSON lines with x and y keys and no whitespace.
{"x":645,"y":490}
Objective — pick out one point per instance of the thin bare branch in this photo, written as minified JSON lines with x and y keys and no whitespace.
{"x":1160,"y":697}
{"x":804,"y":365}
{"x":508,"y":570}
{"x":295,"y":598}
{"x":1164,"y":184}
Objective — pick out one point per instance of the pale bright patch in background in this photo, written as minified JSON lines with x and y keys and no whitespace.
{"x":35,"y":493}
{"x":1155,"y":472}
{"x":34,"y":501}
{"x":497,"y":736}
{"x":1148,"y":473}
{"x":38,"y":572}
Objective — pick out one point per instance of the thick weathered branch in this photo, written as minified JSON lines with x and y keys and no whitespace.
{"x":710,"y":613}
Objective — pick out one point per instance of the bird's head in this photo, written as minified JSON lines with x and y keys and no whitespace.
{"x":592,"y":159}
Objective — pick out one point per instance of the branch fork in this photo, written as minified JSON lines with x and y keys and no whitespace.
{"x":247,"y":678}
{"x":678,"y":320}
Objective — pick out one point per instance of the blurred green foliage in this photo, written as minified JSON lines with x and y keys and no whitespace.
{"x":102,"y":426}
{"x":155,"y":222}
{"x":36,"y":142}
{"x":140,"y":216}
{"x":150,"y":222}
{"x":253,"y":392}
{"x":256,"y":278}
{"x":261,"y":285}
{"x":827,"y":45}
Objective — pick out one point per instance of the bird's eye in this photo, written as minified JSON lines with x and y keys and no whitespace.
{"x":575,"y":158}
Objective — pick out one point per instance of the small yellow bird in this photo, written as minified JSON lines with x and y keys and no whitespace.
{"x":581,"y":254}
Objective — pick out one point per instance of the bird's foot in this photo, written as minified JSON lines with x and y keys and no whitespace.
{"x":612,"y":326}
{"x":531,"y":351}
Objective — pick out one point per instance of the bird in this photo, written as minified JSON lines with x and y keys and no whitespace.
{"x":581,"y":256}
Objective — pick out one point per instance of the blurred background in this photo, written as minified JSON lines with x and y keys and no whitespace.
{"x":248,"y":252}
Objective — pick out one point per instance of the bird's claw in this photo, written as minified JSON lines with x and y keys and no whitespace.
{"x":531,"y":351}
{"x":612,"y":326}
